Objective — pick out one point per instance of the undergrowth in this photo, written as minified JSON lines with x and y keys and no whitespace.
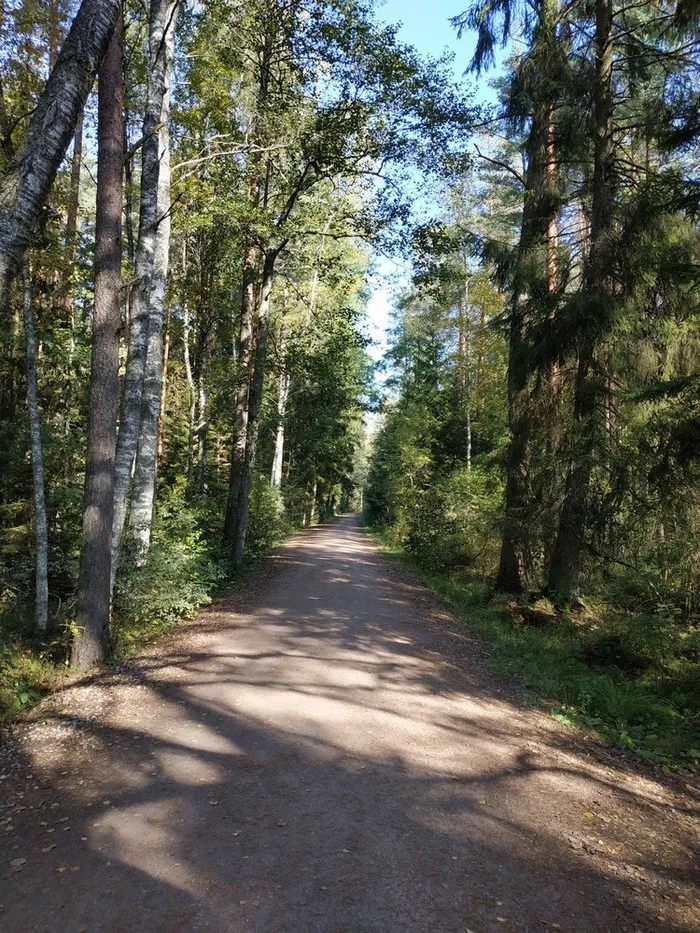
{"x":187,"y":566}
{"x":634,"y":678}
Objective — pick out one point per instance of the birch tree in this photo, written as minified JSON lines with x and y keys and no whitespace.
{"x":140,"y":409}
{"x":27,"y":181}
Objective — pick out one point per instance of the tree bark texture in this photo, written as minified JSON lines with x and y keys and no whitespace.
{"x":94,"y":582}
{"x":512,"y":570}
{"x":40,"y":520}
{"x":240,"y":431}
{"x":27,"y":182}
{"x":255,"y":196}
{"x":144,"y":492}
{"x":565,"y":566}
{"x":138,"y":426}
{"x":192,"y":408}
{"x":164,"y":388}
{"x":254,"y":402}
{"x":206,"y":350}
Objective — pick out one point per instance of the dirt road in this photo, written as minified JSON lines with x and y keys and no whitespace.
{"x":325,"y":752}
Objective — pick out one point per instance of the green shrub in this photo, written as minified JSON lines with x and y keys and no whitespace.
{"x":267,"y":524}
{"x":453,"y":524}
{"x":181,"y":574}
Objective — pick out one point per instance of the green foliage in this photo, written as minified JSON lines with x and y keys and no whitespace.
{"x":30,"y":666}
{"x":454,"y":524}
{"x":268,"y":524}
{"x":181,"y":574}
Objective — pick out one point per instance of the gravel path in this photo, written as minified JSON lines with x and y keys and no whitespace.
{"x":325,"y":751}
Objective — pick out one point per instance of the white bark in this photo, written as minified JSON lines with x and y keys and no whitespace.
{"x":187,"y":330}
{"x":41,"y":524}
{"x":138,"y":429}
{"x":27,"y":182}
{"x":282,"y":397}
{"x":143,"y":497}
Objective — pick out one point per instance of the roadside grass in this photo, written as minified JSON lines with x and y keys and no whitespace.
{"x":632,"y":678}
{"x":30,"y":664}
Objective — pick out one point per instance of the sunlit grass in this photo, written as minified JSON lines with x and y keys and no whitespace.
{"x":632,"y":679}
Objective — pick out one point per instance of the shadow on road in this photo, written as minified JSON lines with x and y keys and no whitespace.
{"x":322,"y":755}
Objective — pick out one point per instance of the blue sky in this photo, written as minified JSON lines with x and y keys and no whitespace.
{"x":427,"y":28}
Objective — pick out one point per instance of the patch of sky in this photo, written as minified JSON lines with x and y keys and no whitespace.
{"x":427,"y":27}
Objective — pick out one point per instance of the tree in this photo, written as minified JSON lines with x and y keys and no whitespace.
{"x":42,"y":543}
{"x":94,"y":582}
{"x":27,"y":180}
{"x":140,"y":408}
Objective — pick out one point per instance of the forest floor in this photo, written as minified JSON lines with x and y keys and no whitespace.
{"x":326,"y":751}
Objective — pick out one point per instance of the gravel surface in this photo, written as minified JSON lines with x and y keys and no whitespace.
{"x":324,"y":751}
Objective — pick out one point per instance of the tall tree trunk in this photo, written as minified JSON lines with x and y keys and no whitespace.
{"x":552,"y":481}
{"x":282,"y":397}
{"x":27,"y":182}
{"x":244,"y":377}
{"x":254,"y":402}
{"x":94,"y":582}
{"x":255,"y":193}
{"x":207,"y":349}
{"x":530,"y":286}
{"x":40,"y":521}
{"x":129,"y":192}
{"x":192,"y":408}
{"x":142,"y":380}
{"x":565,"y":567}
{"x":512,"y":570}
{"x":464,"y":366}
{"x":74,"y":200}
{"x":164,"y":389}
{"x":480,"y":363}
{"x":145,"y":474}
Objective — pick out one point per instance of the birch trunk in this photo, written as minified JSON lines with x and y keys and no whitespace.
{"x":255,"y":399}
{"x":145,"y":475}
{"x":27,"y":182}
{"x":138,"y":427}
{"x":464,"y":367}
{"x":187,"y":330}
{"x":40,"y":521}
{"x":164,"y":390}
{"x":94,"y":582}
{"x":207,"y":337}
{"x":282,"y":397}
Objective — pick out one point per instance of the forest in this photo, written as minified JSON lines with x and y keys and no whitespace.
{"x":194,"y":205}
